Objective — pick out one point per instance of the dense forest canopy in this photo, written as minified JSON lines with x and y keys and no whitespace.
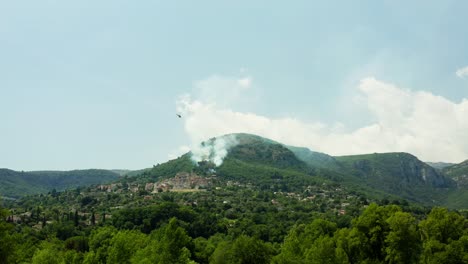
{"x":172,"y":233}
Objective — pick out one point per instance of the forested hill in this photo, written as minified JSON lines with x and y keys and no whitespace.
{"x":266,"y":203}
{"x":262,"y":161}
{"x":379,"y":175}
{"x":401,"y":174}
{"x":16,"y":184}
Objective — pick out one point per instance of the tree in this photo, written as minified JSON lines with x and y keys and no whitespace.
{"x":93,"y":218}
{"x":76,"y":218}
{"x":99,"y":243}
{"x":120,"y":250}
{"x":373,"y":225}
{"x":301,"y":238}
{"x":322,"y":251}
{"x":443,"y":237}
{"x":442,"y":225}
{"x":169,"y":244}
{"x":7,"y":240}
{"x":403,"y":243}
{"x":251,"y":250}
{"x":49,"y":253}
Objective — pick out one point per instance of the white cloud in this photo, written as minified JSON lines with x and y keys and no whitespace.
{"x":462,"y":72}
{"x":222,"y":91}
{"x":245,"y":82}
{"x":428,"y":126}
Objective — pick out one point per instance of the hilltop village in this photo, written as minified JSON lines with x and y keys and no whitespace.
{"x":93,"y":205}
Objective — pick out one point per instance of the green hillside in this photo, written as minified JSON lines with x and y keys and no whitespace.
{"x":16,"y":184}
{"x":262,"y":161}
{"x":266,"y":203}
{"x":379,"y":176}
{"x":400,"y":174}
{"x":315,"y":159}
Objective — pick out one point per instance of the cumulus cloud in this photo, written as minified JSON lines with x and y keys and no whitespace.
{"x":224,"y":91}
{"x":462,"y":72}
{"x":426,"y":125}
{"x":244,"y":82}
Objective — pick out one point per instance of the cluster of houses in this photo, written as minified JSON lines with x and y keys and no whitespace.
{"x":180,"y":182}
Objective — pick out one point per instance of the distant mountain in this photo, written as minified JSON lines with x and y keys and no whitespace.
{"x":457,"y":169}
{"x":395,"y":169}
{"x":458,"y":172}
{"x":439,"y":165}
{"x":400,"y":174}
{"x":276,"y":166}
{"x":17,"y":184}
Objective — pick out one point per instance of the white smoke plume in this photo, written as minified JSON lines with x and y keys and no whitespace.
{"x":213,"y":150}
{"x":426,"y":125}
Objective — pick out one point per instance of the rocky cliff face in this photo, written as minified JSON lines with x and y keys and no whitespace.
{"x":399,"y":168}
{"x":459,"y":173}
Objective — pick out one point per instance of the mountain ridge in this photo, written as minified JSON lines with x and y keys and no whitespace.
{"x":394,"y":174}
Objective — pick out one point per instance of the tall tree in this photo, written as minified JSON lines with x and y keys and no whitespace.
{"x":403,"y":243}
{"x":169,"y":244}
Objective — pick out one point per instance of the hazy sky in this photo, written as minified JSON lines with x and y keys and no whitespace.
{"x":95,"y":84}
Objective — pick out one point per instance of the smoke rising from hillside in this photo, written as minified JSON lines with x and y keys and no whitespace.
{"x":426,"y":125}
{"x":214,"y":150}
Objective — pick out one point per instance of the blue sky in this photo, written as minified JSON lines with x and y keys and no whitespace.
{"x":94,"y":84}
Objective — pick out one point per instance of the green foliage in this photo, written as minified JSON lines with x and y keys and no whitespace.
{"x":7,"y":239}
{"x":382,"y":234}
{"x":169,"y":244}
{"x":444,"y":237}
{"x":149,"y":218}
{"x":301,"y":246}
{"x":270,"y":154}
{"x":49,"y":253}
{"x":99,"y":244}
{"x":264,"y":204}
{"x":168,"y":169}
{"x":322,"y":251}
{"x":403,"y":242}
{"x":373,"y":224}
{"x":243,"y":250}
{"x":77,"y":243}
{"x":400,"y":174}
{"x":251,"y":250}
{"x":124,"y":244}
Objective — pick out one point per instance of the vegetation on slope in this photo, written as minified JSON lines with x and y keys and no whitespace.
{"x":16,"y":184}
{"x":400,"y":174}
{"x":264,"y":205}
